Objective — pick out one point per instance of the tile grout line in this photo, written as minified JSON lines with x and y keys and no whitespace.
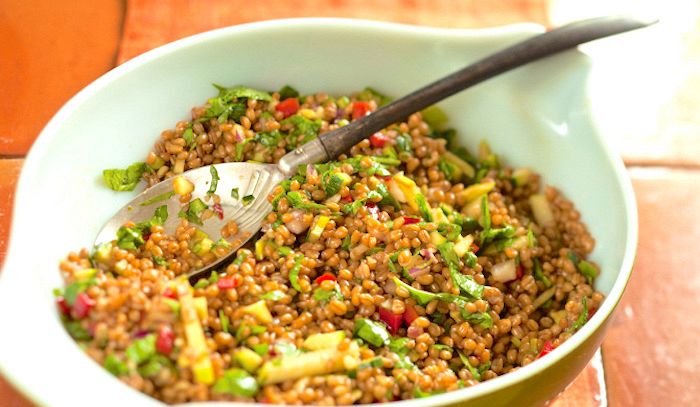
{"x":599,"y":367}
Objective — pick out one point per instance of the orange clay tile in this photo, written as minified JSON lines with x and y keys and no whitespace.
{"x":9,"y":172}
{"x":150,"y":23}
{"x":650,"y":353}
{"x":50,"y":50}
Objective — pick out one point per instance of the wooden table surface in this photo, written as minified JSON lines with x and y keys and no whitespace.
{"x":50,"y":50}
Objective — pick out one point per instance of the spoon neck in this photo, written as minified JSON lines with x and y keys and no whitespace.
{"x":310,"y":153}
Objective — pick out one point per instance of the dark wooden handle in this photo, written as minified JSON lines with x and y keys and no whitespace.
{"x":340,"y":141}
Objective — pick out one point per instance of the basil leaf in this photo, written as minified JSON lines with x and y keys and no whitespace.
{"x":124,"y":179}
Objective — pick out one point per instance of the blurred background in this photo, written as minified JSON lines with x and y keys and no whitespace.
{"x":49,"y":50}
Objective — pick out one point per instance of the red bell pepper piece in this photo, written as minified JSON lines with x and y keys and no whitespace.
{"x":392,"y":321}
{"x":360,"y":109}
{"x":519,"y":272}
{"x":225,"y":283}
{"x":548,"y":347}
{"x":408,"y":220}
{"x":288,"y":106}
{"x":218,"y":210}
{"x":347,"y":198}
{"x":410,"y":314}
{"x":170,"y":293}
{"x":165,"y":340}
{"x":324,"y":277}
{"x":378,"y":140}
{"x":62,"y":305}
{"x":82,"y":306}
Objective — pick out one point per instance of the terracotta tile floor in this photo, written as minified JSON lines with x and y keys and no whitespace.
{"x":648,"y":356}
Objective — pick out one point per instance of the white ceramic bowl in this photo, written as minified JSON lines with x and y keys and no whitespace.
{"x":538,"y":116}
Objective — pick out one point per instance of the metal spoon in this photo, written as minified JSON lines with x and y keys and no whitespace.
{"x":258,"y":180}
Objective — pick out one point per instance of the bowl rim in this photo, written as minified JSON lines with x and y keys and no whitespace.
{"x":50,"y":131}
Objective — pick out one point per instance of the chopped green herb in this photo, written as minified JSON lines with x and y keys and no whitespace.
{"x":333,"y":181}
{"x":582,"y":318}
{"x":269,"y":139}
{"x":539,"y":274}
{"x":234,"y":193}
{"x":304,"y":129}
{"x":162,"y":197}
{"x":466,"y":284}
{"x":370,"y":93}
{"x":225,"y":322}
{"x":322,"y":295}
{"x":154,"y":365}
{"x":376,"y":361}
{"x":398,"y":345}
{"x":403,"y":143}
{"x":288,"y":92}
{"x":284,"y":251}
{"x":476,"y":375}
{"x":275,"y":295}
{"x":142,"y":349}
{"x":294,"y":273}
{"x":261,"y":349}
{"x":75,"y":288}
{"x":188,"y":136}
{"x":451,"y":171}
{"x":194,"y":211}
{"x":242,"y":92}
{"x":76,"y":331}
{"x":531,"y":239}
{"x":485,"y":215}
{"x":372,"y":332}
{"x":387,"y":198}
{"x":115,"y":366}
{"x":246,"y":200}
{"x":237,"y":382}
{"x":588,"y":270}
{"x":481,"y":318}
{"x":424,"y":207}
{"x":299,"y":200}
{"x":240,"y":258}
{"x":214,"y":180}
{"x":126,"y":179}
{"x":160,"y":261}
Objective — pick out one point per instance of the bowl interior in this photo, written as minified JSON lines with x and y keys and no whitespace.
{"x":537,"y":116}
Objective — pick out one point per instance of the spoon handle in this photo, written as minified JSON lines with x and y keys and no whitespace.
{"x":568,"y":36}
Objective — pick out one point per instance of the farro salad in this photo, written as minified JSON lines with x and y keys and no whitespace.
{"x":406,"y":268}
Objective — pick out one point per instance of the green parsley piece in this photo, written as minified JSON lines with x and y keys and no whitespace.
{"x":372,"y":332}
{"x":234,"y":193}
{"x":158,"y":198}
{"x":214,"y":180}
{"x":294,"y":273}
{"x":140,"y":350}
{"x":115,"y":366}
{"x":124,"y":179}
